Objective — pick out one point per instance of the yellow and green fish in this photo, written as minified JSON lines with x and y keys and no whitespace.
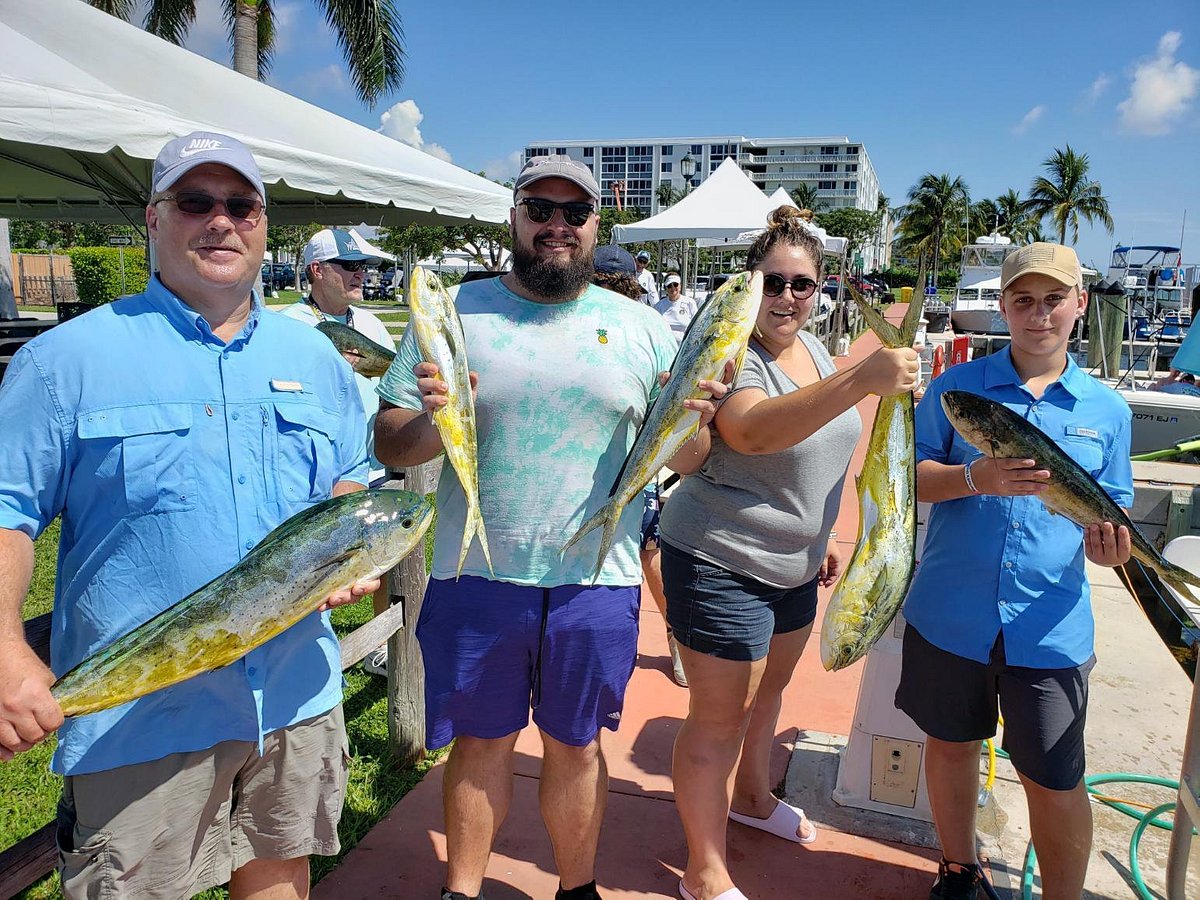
{"x":876,"y":579}
{"x":439,"y":333}
{"x":323,"y":549}
{"x":717,"y":334}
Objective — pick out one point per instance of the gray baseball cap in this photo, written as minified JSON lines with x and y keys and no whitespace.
{"x":183,"y":154}
{"x":556,"y":166}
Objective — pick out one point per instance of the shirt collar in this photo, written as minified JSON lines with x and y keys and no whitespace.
{"x":999,"y":371}
{"x":189,"y":322}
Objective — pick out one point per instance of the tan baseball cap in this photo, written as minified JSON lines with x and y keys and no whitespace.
{"x":1041,"y":258}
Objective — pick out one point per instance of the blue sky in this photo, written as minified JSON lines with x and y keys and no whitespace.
{"x":985,"y":91}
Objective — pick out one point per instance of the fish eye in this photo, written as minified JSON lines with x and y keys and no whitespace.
{"x":407,"y":523}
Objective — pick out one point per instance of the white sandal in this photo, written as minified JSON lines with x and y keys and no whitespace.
{"x":784,"y":822}
{"x":731,"y":894}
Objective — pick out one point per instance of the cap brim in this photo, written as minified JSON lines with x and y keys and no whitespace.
{"x":171,"y":176}
{"x":1063,"y":278}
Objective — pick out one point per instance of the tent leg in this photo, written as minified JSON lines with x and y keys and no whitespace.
{"x":8,"y":300}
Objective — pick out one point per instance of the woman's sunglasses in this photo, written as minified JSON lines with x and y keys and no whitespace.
{"x":540,"y":211}
{"x":802,"y":288}
{"x":198,"y":203}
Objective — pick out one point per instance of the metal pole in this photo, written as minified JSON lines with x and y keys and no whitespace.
{"x":8,"y":300}
{"x":121,"y":254}
{"x":1187,"y":808}
{"x":53,"y":293}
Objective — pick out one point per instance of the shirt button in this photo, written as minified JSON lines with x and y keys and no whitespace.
{"x":1016,"y":524}
{"x":251,"y":670}
{"x":1008,"y":565}
{"x":234,"y":416}
{"x":249,"y":545}
{"x":241,"y":479}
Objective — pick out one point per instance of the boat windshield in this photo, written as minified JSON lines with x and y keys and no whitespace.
{"x":991,"y":257}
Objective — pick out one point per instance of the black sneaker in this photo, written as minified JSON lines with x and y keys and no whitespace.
{"x":960,"y":883}
{"x":448,"y":894}
{"x":583,"y":892}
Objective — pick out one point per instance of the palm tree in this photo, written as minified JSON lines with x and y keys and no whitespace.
{"x":984,"y":217}
{"x":1015,"y":221}
{"x":935,"y":204}
{"x":666,"y":194}
{"x":1068,"y":194}
{"x":806,"y":197}
{"x":368,"y":31}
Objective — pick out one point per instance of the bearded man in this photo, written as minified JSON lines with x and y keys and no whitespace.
{"x":565,"y":372}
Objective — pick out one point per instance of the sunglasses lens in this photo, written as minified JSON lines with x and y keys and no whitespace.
{"x":577,"y":214}
{"x":351,"y":265}
{"x":242,"y":207}
{"x":539,"y":210}
{"x":195,"y":204}
{"x":773,"y":285}
{"x":803,"y":287}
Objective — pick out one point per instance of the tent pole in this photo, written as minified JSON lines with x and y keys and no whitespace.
{"x":8,"y":300}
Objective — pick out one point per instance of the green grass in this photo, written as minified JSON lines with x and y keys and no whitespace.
{"x":400,"y":317}
{"x":34,"y":307}
{"x":29,"y":791}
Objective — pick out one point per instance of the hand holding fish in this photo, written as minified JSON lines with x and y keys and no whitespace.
{"x":1107,"y":544}
{"x":890,"y":371}
{"x":28,"y":712}
{"x":718,"y":389}
{"x":353,"y":594}
{"x":831,"y":568}
{"x":434,"y":391}
{"x":1004,"y":477}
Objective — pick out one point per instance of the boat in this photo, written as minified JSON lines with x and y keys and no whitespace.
{"x":976,"y":305}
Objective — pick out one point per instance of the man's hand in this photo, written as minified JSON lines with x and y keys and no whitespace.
{"x":1007,"y":477}
{"x":357,"y":591}
{"x":28,"y":712}
{"x":434,"y":391}
{"x":1107,"y":545}
{"x":831,"y":568}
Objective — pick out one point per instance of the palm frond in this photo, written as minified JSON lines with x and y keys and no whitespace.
{"x":170,"y":19}
{"x":122,"y":9}
{"x":372,"y":40}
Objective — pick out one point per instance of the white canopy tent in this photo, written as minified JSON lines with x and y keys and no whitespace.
{"x":87,"y":101}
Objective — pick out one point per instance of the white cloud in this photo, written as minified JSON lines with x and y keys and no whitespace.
{"x":1161,"y":90}
{"x":287,"y":21}
{"x":1096,"y":89}
{"x":506,"y":168}
{"x":1030,"y":117}
{"x":319,"y":83}
{"x":400,"y":123}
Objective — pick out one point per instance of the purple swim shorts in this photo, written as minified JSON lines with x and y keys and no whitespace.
{"x":494,"y":650}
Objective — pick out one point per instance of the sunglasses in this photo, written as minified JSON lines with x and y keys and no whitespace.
{"x":575,"y":213}
{"x":802,"y":288}
{"x":350,"y":265}
{"x":198,"y":203}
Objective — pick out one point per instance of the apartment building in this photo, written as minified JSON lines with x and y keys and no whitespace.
{"x":836,"y":167}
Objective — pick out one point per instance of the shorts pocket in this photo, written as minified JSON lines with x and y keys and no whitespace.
{"x":84,"y":861}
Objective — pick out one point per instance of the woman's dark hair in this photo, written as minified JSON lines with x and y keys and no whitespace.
{"x":619,"y":282}
{"x":786,"y":228}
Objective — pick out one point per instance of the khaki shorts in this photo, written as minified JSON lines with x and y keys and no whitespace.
{"x":175,"y":826}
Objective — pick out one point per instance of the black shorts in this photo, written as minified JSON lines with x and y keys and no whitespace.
{"x":650,"y":512}
{"x":724,"y":614}
{"x":953,"y":698}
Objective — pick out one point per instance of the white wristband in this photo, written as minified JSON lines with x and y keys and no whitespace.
{"x":967,"y":476}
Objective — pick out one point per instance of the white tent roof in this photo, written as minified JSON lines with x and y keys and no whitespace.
{"x":87,"y":101}
{"x":726,"y":204}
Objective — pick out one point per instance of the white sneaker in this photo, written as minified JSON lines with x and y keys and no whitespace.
{"x":677,"y":672}
{"x":376,"y":661}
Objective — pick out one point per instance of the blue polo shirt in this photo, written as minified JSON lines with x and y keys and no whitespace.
{"x":993,"y":564}
{"x":169,"y":455}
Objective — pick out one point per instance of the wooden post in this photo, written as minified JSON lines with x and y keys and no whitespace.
{"x":406,"y":676}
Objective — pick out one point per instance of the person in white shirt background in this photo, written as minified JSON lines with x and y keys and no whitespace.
{"x":646,"y":278}
{"x":336,"y":262}
{"x":675,"y":308}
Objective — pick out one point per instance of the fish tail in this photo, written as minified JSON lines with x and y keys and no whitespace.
{"x":472,"y":527}
{"x":1180,"y":579}
{"x":608,"y":515}
{"x":891,"y":335}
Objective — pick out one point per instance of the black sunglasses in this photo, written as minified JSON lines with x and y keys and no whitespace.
{"x":350,"y":265}
{"x":576,"y":212}
{"x":802,"y":288}
{"x":198,"y":203}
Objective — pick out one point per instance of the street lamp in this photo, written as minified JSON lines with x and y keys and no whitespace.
{"x":687,"y":168}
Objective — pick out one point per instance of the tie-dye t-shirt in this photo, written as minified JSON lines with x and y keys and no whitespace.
{"x":562,"y":391}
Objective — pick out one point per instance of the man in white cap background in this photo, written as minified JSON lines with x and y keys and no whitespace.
{"x":565,"y":373}
{"x":646,"y":278}
{"x":1016,"y":632}
{"x":675,"y":308}
{"x":171,"y":431}
{"x":336,"y":262}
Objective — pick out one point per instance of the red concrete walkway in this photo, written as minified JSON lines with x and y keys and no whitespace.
{"x":642,"y":849}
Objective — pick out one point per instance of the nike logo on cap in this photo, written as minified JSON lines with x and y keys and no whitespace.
{"x":199,"y":146}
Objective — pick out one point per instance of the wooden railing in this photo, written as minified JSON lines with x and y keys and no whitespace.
{"x":36,"y":856}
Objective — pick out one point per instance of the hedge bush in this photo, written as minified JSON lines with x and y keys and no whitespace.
{"x":98,"y":273}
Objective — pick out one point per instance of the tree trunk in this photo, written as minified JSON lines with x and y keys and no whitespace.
{"x":245,"y":39}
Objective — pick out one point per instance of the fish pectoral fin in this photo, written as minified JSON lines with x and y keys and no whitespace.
{"x":348,"y":554}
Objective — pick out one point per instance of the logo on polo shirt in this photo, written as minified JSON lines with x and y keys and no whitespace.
{"x":602,"y":335}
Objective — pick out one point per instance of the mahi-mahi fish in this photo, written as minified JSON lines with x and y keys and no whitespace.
{"x":873,"y":586}
{"x":325,"y":548}
{"x":995,"y":430}
{"x":366,"y":357}
{"x":439,"y":334}
{"x":718,"y":334}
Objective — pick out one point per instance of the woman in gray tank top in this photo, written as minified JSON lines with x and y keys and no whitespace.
{"x":746,"y":541}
